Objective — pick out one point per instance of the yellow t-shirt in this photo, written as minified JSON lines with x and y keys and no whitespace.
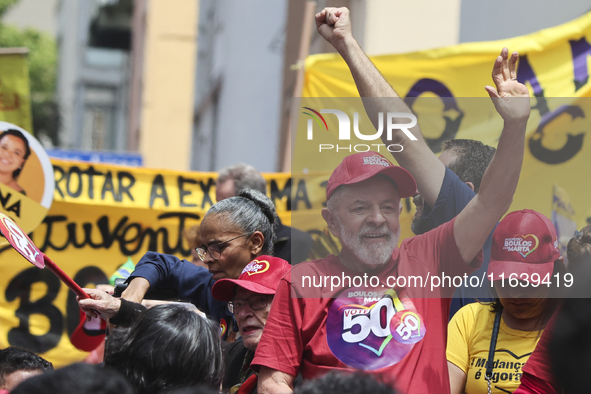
{"x":468,"y":342}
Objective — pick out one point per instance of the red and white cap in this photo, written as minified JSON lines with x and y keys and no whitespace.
{"x":363,"y":165}
{"x":523,"y":242}
{"x":261,"y":276}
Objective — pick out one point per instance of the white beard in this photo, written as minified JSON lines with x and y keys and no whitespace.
{"x":372,"y":255}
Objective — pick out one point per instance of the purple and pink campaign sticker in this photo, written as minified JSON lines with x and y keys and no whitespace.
{"x":368,"y":329}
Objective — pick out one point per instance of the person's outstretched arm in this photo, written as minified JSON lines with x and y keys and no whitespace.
{"x":162,"y":271}
{"x":511,"y":100}
{"x":334,"y":25}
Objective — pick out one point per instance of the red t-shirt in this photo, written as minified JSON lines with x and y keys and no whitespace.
{"x":531,"y":384}
{"x":400,"y":337}
{"x":537,"y":372}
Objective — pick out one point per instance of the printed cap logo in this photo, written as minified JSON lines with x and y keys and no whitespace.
{"x":256,"y":267}
{"x":376,"y":160}
{"x":223,"y":327}
{"x":369,"y":330}
{"x":522,"y":244}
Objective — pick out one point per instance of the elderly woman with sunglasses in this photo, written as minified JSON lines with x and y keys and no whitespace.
{"x":233,"y":233}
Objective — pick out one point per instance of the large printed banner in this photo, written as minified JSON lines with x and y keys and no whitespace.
{"x":445,"y":88}
{"x":553,"y":63}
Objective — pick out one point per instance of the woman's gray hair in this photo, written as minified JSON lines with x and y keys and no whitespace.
{"x":250,"y":211}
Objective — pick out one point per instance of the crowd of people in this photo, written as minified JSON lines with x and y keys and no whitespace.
{"x":252,"y":324}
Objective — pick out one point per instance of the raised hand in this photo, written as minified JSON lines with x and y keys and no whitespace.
{"x":509,"y":97}
{"x":334,"y":25}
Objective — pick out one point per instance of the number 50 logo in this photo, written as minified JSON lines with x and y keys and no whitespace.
{"x":368,"y":320}
{"x":407,"y":327}
{"x":370,"y":333}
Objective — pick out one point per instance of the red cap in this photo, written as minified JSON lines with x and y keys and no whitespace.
{"x":261,"y":276}
{"x":89,"y":334}
{"x":523,"y":242}
{"x":361,"y":166}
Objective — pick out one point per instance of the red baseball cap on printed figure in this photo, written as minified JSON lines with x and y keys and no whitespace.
{"x":26,"y":178}
{"x":262,"y":276}
{"x":524,"y":242}
{"x":363,"y":165}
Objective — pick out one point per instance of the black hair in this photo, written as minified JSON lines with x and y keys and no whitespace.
{"x":570,"y":344}
{"x":250,"y":211}
{"x":195,"y":390}
{"x":14,"y":359}
{"x":76,"y":378}
{"x":168,"y":347}
{"x":473,"y":158}
{"x":340,"y":382}
{"x":20,"y":135}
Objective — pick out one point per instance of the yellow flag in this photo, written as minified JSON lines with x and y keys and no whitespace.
{"x":15,"y":92}
{"x":445,"y":89}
